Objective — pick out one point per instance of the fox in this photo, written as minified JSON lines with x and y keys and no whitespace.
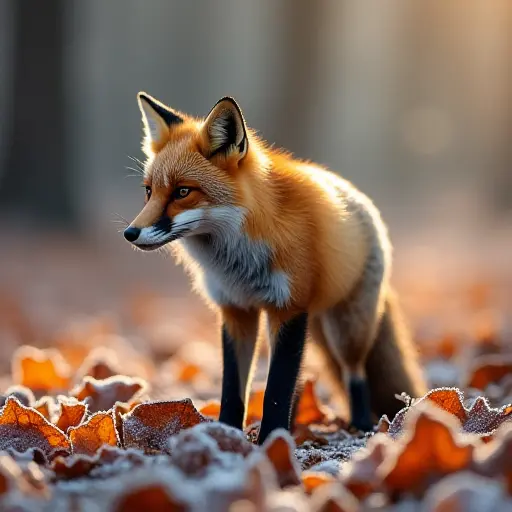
{"x":267,"y":236}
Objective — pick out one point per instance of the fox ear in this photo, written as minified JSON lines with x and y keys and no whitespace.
{"x":224,"y":130}
{"x":157,"y":118}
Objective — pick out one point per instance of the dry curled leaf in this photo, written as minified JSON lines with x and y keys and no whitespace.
{"x":22,"y":428}
{"x":40,"y":370}
{"x":479,"y":419}
{"x":45,"y":406}
{"x":151,"y":497}
{"x":228,"y":439}
{"x":432,"y":447}
{"x":211,"y":409}
{"x":97,"y":431}
{"x":149,"y":425}
{"x":313,"y":480}
{"x":10,"y":473}
{"x":188,"y":372}
{"x":22,"y":393}
{"x":279,"y":448}
{"x":359,"y":475}
{"x":101,"y":395}
{"x":101,"y":363}
{"x":303,"y":434}
{"x":72,"y":413}
{"x":308,"y":408}
{"x":495,"y":458}
{"x":255,"y":407}
{"x":489,"y":369}
{"x":333,"y":497}
{"x":79,"y":465}
{"x":121,"y":408}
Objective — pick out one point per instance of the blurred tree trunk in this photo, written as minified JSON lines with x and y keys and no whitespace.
{"x":35,"y":183}
{"x":299,"y":84}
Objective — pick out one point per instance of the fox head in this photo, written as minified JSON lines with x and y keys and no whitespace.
{"x":192,"y":173}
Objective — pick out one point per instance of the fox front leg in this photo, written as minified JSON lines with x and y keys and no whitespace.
{"x":239,"y":343}
{"x":287,"y":339}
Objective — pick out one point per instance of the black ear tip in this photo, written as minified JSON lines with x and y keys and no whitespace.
{"x":230,"y":99}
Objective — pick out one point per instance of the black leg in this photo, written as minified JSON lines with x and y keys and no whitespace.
{"x":232,"y":405}
{"x":360,"y":407}
{"x":283,"y":374}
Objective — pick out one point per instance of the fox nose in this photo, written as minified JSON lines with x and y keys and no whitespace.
{"x":131,"y":234}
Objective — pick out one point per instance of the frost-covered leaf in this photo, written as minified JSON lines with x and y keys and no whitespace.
{"x":279,"y":447}
{"x":148,"y":426}
{"x":22,"y":428}
{"x":100,"y":364}
{"x":22,"y":393}
{"x":72,"y":413}
{"x":101,"y":395}
{"x":228,"y":439}
{"x":431,"y":447}
{"x":90,"y":436}
{"x":468,"y":492}
{"x":303,"y":434}
{"x":495,"y":459}
{"x":333,"y":497}
{"x":80,"y":465}
{"x":40,"y":370}
{"x":489,"y":369}
{"x":479,"y":419}
{"x":359,"y":475}
{"x":312,"y":480}
{"x":154,"y":497}
{"x":45,"y":406}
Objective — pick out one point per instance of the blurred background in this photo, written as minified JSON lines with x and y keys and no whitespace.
{"x":412,"y":101}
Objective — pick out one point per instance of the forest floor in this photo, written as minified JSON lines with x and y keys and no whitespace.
{"x":110,"y":378}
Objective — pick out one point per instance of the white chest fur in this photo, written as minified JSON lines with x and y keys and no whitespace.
{"x":237,"y":270}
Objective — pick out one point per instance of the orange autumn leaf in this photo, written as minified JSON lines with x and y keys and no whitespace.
{"x":101,"y":395}
{"x":148,"y":426}
{"x":22,"y":393}
{"x":188,"y":372}
{"x":480,"y":418}
{"x":22,"y":428}
{"x":489,"y":369}
{"x":152,"y":497}
{"x":359,"y":475}
{"x":334,"y":497}
{"x":433,"y":447}
{"x":303,"y":433}
{"x":80,"y":465}
{"x":97,"y":431}
{"x":40,"y":370}
{"x":279,"y":448}
{"x":449,"y":399}
{"x":312,"y":480}
{"x":43,"y":406}
{"x":121,"y":408}
{"x":308,"y":408}
{"x":447,"y":347}
{"x":255,"y":407}
{"x":211,"y":409}
{"x":71,"y":414}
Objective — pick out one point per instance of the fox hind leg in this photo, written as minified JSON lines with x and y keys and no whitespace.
{"x":350,"y":328}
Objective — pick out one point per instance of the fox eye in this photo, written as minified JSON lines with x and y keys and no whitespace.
{"x":181,"y":192}
{"x":148,"y":192}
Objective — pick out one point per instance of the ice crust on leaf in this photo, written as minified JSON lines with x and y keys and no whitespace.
{"x":149,"y":425}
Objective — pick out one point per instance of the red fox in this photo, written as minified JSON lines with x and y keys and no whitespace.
{"x":262,"y":233}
